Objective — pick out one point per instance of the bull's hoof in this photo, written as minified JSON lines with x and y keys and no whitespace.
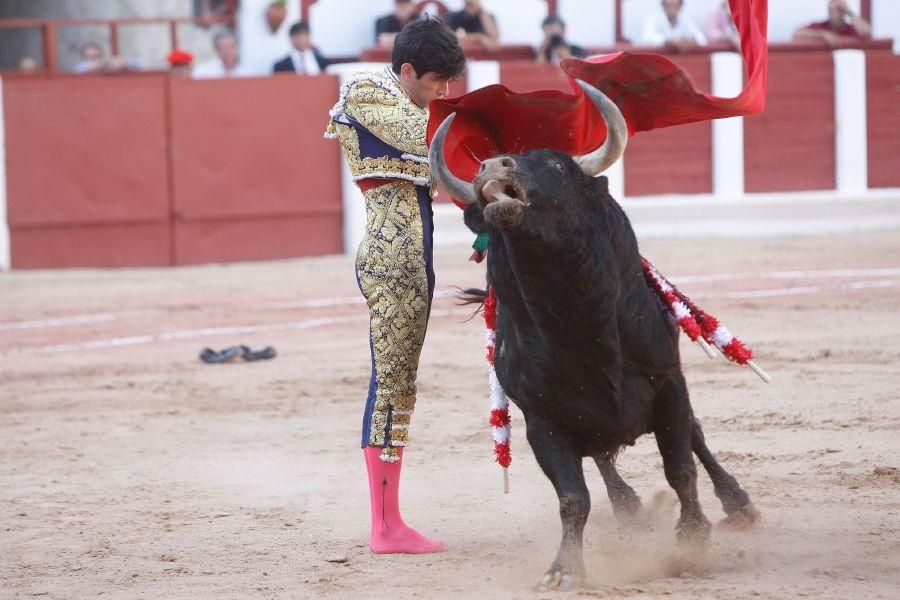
{"x":742,"y":519}
{"x":629,"y":510}
{"x":559,"y":579}
{"x":693,"y":531}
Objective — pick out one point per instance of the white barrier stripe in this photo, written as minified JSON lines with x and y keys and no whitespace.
{"x":80,"y":319}
{"x":481,"y":73}
{"x":850,"y":133}
{"x":497,"y":400}
{"x":727,"y":134}
{"x":449,"y":293}
{"x":209,"y":332}
{"x":5,"y":242}
{"x":801,"y":290}
{"x":813,"y":274}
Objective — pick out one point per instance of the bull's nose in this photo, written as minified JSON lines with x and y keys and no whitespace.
{"x":497,"y":164}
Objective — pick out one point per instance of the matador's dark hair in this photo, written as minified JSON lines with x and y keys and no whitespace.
{"x":428,"y":46}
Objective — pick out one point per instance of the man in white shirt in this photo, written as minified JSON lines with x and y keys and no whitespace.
{"x":672,"y":28}
{"x":227,"y":62}
{"x":304,"y":58}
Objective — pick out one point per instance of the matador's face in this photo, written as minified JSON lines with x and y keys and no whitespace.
{"x":423,"y":89}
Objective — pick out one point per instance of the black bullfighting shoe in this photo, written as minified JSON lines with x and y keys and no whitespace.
{"x":210,"y":356}
{"x":251,"y":355}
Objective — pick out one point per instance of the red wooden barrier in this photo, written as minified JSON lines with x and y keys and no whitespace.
{"x":883,"y":116}
{"x":86,"y":172}
{"x":147,"y":171}
{"x":790,"y":146}
{"x":253,"y":177}
{"x":530,"y":77}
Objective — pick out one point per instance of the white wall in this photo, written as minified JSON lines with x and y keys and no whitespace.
{"x":519,"y":20}
{"x":886,"y":21}
{"x":589,"y":23}
{"x":346,"y":27}
{"x":259,"y":46}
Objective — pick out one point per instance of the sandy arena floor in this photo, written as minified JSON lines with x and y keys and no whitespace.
{"x":129,"y":469}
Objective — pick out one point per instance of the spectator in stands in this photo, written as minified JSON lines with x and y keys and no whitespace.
{"x":720,"y":27}
{"x":841,"y":26}
{"x":181,"y":63}
{"x":554,"y":46}
{"x":28,"y":65}
{"x":228,"y":59}
{"x":560,"y":50}
{"x":92,"y":59}
{"x":304,"y":58}
{"x":476,"y":25}
{"x":388,"y":26}
{"x":671,"y":28}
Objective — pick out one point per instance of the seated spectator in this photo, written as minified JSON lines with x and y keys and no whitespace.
{"x":554,"y":44}
{"x":841,"y":26}
{"x":29,"y":65}
{"x":473,"y":24}
{"x":559,"y":50}
{"x":92,"y":59}
{"x":720,"y":27}
{"x":388,"y":26}
{"x":181,"y":63}
{"x":671,"y":28}
{"x":304,"y":58}
{"x":227,"y":62}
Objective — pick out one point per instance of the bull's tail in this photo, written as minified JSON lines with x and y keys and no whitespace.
{"x":472,"y":296}
{"x":469,"y":296}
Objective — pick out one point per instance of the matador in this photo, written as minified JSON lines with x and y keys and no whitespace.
{"x":381,"y":119}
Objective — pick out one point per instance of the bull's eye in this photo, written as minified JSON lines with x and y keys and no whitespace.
{"x":559,"y":166}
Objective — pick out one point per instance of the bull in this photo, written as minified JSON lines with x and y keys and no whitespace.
{"x":583,"y":345}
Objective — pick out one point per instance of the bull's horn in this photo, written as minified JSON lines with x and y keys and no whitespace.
{"x":456,"y":187}
{"x":612,"y":149}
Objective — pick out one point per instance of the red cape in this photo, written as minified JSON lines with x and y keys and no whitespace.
{"x":650,"y":90}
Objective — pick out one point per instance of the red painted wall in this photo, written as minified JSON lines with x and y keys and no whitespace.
{"x":883,"y":115}
{"x":530,"y":77}
{"x":144,"y":171}
{"x":86,"y":172}
{"x":253,"y":178}
{"x":790,"y":146}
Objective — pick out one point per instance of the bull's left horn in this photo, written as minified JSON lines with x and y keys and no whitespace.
{"x":456,"y":187}
{"x":612,"y":149}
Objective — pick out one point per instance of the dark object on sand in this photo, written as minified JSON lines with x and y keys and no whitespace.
{"x":232,"y":353}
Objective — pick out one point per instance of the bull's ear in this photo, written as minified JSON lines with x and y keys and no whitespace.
{"x":473,"y":216}
{"x":602,"y":183}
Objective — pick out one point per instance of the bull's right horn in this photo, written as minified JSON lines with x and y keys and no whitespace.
{"x":613,"y":148}
{"x":456,"y":187}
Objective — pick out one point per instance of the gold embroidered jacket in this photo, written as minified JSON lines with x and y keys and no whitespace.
{"x":381,"y":129}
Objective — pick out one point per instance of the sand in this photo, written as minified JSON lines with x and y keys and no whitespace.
{"x":129,"y":469}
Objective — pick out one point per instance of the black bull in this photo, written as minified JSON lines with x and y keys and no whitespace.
{"x":583,"y":345}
